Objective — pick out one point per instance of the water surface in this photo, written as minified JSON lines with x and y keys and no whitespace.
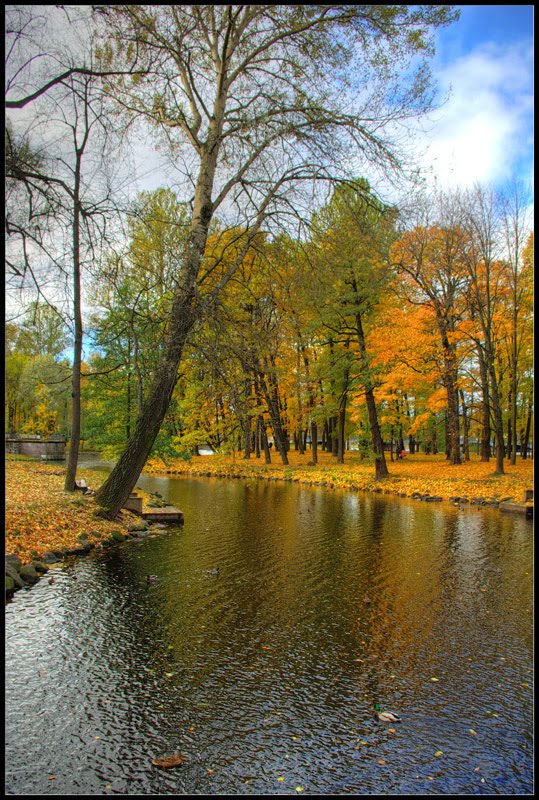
{"x":264,"y":675}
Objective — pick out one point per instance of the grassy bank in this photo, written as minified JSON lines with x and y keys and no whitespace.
{"x":41,"y":516}
{"x":418,"y":473}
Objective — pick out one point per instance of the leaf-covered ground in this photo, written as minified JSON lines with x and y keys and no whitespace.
{"x":418,"y":473}
{"x":41,"y":516}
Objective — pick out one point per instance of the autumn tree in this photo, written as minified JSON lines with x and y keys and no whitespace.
{"x":52,"y":163}
{"x":430,"y":259}
{"x":244,"y":96}
{"x":37,"y":374}
{"x":515,"y":224}
{"x":353,"y":234}
{"x":487,"y":287}
{"x":526,"y":325}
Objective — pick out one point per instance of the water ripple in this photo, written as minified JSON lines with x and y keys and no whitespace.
{"x":264,"y":674}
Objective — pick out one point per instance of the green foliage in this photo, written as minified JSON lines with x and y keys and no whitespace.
{"x":167,"y":447}
{"x":37,"y":381}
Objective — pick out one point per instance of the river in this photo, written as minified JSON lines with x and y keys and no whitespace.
{"x":279,"y":615}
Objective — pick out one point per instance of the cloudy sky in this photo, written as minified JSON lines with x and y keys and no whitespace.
{"x":484,"y":131}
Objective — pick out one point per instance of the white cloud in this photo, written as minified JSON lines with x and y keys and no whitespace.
{"x":485,"y":127}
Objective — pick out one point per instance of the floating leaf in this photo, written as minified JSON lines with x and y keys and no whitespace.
{"x":439,"y":753}
{"x":472,"y":731}
{"x":166,"y":762}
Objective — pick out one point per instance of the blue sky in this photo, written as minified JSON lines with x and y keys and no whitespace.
{"x":484,"y":132}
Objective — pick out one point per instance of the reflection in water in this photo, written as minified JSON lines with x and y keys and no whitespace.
{"x":265,"y":675}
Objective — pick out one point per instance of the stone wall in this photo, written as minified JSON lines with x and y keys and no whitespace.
{"x":51,"y":449}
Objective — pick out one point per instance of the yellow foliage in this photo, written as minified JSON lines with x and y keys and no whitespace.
{"x":41,"y":516}
{"x":417,"y":473}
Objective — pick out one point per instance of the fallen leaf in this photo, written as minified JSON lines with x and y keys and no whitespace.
{"x":166,"y":762}
{"x":439,"y":753}
{"x":472,"y":731}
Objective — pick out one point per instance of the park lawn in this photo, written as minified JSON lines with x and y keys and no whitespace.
{"x":41,"y":516}
{"x":418,"y":473}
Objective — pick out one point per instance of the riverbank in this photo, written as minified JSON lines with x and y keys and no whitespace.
{"x":41,"y":516}
{"x":414,"y":475}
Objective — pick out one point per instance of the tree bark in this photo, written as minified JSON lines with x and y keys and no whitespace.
{"x":380,"y":467}
{"x":116,"y":489}
{"x":450,"y":381}
{"x":486,"y":432}
{"x":74,"y":445}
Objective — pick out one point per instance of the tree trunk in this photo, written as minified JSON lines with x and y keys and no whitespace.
{"x":116,"y":489}
{"x":314,"y":442}
{"x":486,"y":432}
{"x":465,"y":428}
{"x":450,"y":381}
{"x":275,"y":417}
{"x":380,"y":466}
{"x":496,"y":409}
{"x":340,"y":426}
{"x":526,"y":437}
{"x":71,"y":470}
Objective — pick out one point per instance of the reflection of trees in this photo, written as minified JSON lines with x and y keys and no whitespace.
{"x":398,"y":600}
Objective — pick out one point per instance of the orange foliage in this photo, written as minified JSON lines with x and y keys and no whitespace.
{"x":41,"y":516}
{"x":418,"y":473}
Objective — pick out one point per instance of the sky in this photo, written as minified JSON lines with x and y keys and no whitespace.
{"x":484,"y":132}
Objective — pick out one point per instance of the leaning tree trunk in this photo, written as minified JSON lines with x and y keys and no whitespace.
{"x":116,"y":489}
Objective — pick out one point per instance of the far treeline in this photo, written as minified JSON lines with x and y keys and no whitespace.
{"x":272,"y":299}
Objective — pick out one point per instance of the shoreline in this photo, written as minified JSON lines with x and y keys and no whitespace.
{"x":45,"y":524}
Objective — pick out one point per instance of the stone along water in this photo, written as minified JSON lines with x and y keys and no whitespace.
{"x":279,"y":615}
